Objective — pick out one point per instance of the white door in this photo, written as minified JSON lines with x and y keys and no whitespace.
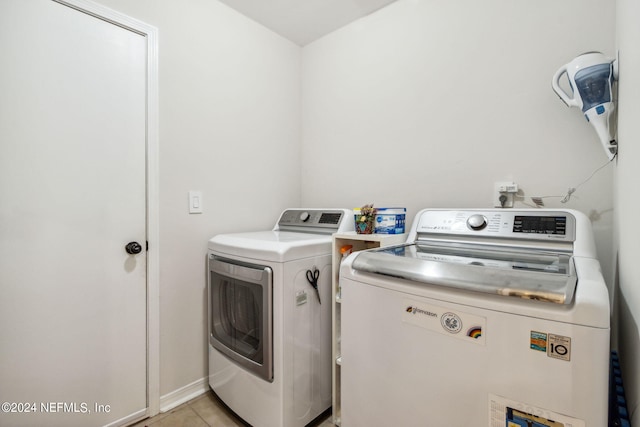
{"x":72,"y":195}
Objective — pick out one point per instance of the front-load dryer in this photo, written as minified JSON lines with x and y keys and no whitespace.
{"x":269,"y":328}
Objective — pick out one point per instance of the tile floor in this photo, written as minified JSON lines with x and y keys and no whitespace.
{"x":207,"y":410}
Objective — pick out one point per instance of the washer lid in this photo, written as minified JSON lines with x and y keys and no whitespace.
{"x":274,"y":246}
{"x":537,"y":275}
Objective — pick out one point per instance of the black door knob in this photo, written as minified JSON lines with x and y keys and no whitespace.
{"x":133,"y":248}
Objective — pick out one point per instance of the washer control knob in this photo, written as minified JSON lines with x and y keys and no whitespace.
{"x":477,"y":222}
{"x":304,"y":216}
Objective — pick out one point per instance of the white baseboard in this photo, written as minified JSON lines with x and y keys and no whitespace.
{"x":183,"y":394}
{"x":136,"y":416}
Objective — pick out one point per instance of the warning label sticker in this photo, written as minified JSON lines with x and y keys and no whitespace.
{"x":512,"y":413}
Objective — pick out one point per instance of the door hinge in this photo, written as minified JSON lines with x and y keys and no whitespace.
{"x":147,"y":245}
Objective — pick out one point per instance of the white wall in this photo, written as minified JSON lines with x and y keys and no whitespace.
{"x":427,"y":103}
{"x":627,"y":202}
{"x":230,"y":127}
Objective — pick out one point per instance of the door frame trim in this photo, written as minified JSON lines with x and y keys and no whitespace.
{"x":152,"y":186}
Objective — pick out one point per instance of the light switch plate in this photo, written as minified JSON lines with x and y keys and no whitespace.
{"x":195,"y":202}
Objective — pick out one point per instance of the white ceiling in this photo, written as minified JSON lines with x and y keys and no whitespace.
{"x":303,"y":21}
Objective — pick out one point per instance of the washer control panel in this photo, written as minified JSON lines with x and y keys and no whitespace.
{"x":533,"y":225}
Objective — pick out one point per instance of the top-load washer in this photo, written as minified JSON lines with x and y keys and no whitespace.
{"x":270,"y":318}
{"x":483,"y":318}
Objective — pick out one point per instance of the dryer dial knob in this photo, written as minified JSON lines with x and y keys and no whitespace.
{"x":477,"y":222}
{"x":304,"y":216}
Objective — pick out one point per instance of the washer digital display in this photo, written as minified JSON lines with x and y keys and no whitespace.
{"x":540,"y":224}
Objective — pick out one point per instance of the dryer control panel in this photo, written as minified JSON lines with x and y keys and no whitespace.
{"x":326,"y":221}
